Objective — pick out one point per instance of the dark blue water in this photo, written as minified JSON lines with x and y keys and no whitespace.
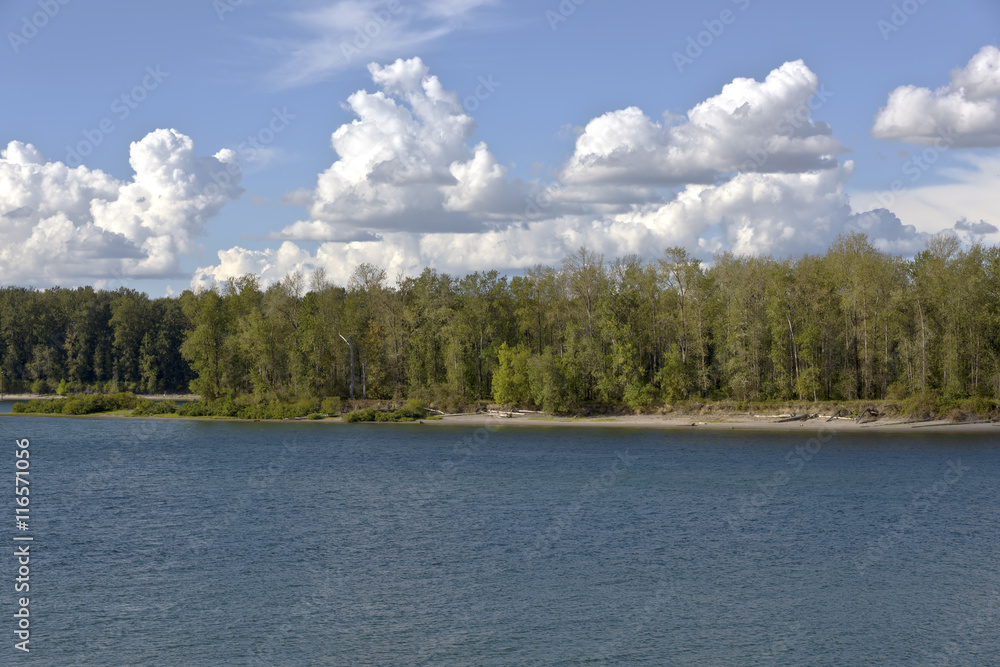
{"x":177,"y":543}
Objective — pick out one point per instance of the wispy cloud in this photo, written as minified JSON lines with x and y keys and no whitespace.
{"x":333,"y":36}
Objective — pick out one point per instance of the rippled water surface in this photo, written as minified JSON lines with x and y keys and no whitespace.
{"x":180,"y":543}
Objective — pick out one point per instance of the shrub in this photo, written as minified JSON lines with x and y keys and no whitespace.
{"x":45,"y":406}
{"x":981,"y":407}
{"x":196,"y":409}
{"x":149,"y":408}
{"x":78,"y":405}
{"x":332,"y":406}
{"x":640,"y":396}
{"x":407,"y":413}
{"x":363,"y":415}
{"x":415,"y":405}
{"x":244,"y":408}
{"x":413,"y":409}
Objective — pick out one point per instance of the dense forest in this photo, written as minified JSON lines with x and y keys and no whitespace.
{"x":855,"y":323}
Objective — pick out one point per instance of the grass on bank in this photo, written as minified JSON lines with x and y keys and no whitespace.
{"x":80,"y":405}
{"x":128,"y":404}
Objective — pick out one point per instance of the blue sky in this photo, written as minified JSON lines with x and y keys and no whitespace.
{"x":584,"y":110}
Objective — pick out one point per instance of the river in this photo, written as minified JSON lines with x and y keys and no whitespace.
{"x":214,"y":543}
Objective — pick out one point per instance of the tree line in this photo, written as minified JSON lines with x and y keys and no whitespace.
{"x":853,"y":323}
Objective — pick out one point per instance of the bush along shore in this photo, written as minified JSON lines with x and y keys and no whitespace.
{"x":916,"y":409}
{"x":128,"y":404}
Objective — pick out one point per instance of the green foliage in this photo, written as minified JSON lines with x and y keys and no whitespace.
{"x":415,"y":406}
{"x":405,"y":414}
{"x":248,"y":408}
{"x":547,"y":383}
{"x":363,"y":415}
{"x":196,"y":409}
{"x":78,"y":405}
{"x":510,"y":381}
{"x":93,"y":404}
{"x":672,"y":378}
{"x":148,"y":408}
{"x":640,"y":397}
{"x":41,"y":406}
{"x":332,"y":406}
{"x":855,"y":324}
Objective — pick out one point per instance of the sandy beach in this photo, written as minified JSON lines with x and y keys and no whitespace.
{"x":720,"y":422}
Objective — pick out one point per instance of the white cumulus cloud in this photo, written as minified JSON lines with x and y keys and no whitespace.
{"x":965,"y":113}
{"x":77,"y":224}
{"x":763,"y":126}
{"x":405,"y":163}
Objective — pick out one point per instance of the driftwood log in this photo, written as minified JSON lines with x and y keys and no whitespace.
{"x":841,"y":413}
{"x":871,"y":414}
{"x":797,"y":418}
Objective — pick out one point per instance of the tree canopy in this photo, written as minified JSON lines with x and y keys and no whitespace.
{"x":854,"y":323}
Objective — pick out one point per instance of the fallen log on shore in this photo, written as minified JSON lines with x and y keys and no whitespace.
{"x":796,"y":418}
{"x":906,"y":423}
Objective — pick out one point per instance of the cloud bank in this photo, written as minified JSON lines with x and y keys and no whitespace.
{"x":749,"y":170}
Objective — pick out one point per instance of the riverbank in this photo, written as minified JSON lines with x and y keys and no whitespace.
{"x":726,"y":422}
{"x":821,"y":424}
